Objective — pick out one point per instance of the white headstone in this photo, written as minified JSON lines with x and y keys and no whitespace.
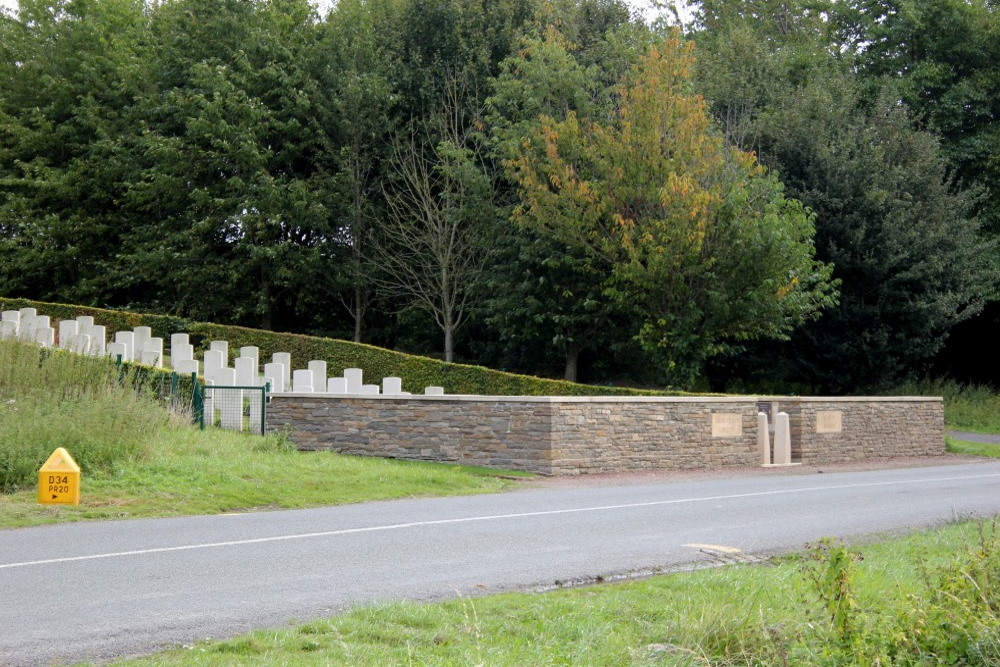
{"x":115,"y":350}
{"x":180,"y":352}
{"x":285,"y":359}
{"x":223,"y":347}
{"x":392,"y":386}
{"x":268,"y":381}
{"x":214,"y":361}
{"x":81,"y":344}
{"x":152,"y":353}
{"x":140,"y":336}
{"x":246,"y":371}
{"x":434,"y":391}
{"x":26,"y":329}
{"x":45,"y":336}
{"x":98,"y":339}
{"x":126,"y":338}
{"x":277,"y":373}
{"x":354,"y":381}
{"x":178,"y":339}
{"x":10,"y":316}
{"x":229,"y":402}
{"x":369,"y":390}
{"x":68,"y":330}
{"x":186,"y":367}
{"x":302,"y":381}
{"x":8,"y":329}
{"x":85,"y":321}
{"x":251,"y":351}
{"x":27,"y":312}
{"x":318,"y":369}
{"x":209,"y":406}
{"x":336,"y":386}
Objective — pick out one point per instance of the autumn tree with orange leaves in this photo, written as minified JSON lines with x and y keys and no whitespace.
{"x":697,"y":234}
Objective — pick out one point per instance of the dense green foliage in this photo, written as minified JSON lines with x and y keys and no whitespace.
{"x":390,"y":173}
{"x":417,"y":372}
{"x":927,"y":599}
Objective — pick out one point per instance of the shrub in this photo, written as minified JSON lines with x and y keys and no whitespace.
{"x":417,"y":372}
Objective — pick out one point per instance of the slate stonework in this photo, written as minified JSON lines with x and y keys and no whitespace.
{"x":568,"y":436}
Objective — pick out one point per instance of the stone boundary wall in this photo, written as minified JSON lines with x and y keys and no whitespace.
{"x":574,"y":435}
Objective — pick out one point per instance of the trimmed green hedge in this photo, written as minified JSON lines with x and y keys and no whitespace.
{"x":417,"y":372}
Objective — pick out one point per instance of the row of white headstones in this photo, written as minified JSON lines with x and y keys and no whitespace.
{"x":83,"y":336}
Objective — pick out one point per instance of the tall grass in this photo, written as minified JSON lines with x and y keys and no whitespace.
{"x":103,"y":415}
{"x":966,"y":407}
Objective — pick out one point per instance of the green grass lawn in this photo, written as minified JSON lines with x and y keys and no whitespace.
{"x":901,"y":602}
{"x":193,"y":472}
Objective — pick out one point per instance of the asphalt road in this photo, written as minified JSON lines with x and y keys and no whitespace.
{"x":99,"y":590}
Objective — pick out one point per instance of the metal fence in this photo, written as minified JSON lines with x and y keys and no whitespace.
{"x":234,"y":408}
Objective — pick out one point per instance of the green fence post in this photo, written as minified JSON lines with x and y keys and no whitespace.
{"x":197,"y":401}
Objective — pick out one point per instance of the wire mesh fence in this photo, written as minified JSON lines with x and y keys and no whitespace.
{"x":235,"y":408}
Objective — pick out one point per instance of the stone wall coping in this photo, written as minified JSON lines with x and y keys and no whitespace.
{"x":618,"y":399}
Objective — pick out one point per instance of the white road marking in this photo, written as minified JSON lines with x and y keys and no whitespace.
{"x":489,"y":517}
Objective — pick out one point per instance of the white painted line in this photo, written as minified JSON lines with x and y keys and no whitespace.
{"x":489,"y":517}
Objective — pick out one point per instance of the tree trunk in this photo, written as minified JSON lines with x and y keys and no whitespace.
{"x":449,"y":344}
{"x":572,"y":357}
{"x":358,"y":313}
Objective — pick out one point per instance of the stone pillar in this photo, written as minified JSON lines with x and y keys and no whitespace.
{"x":763,"y":439}
{"x":302,"y":381}
{"x":354,"y":381}
{"x":782,"y":439}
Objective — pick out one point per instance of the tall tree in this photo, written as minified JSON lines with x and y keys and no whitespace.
{"x":699,"y":237}
{"x":904,"y":241}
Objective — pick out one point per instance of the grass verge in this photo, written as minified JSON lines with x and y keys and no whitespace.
{"x":929,"y":598}
{"x":139,"y":460}
{"x":956,"y":446}
{"x":966,"y":407}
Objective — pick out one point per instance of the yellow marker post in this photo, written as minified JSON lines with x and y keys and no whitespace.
{"x":59,"y":480}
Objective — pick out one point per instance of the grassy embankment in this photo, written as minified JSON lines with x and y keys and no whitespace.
{"x":139,"y":460}
{"x":966,"y":408}
{"x":926,"y":599}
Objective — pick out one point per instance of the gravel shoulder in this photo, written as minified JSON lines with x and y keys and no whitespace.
{"x":735,"y":472}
